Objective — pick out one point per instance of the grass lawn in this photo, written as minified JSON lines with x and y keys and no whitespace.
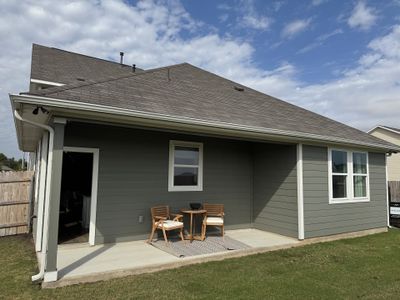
{"x":367,"y":267}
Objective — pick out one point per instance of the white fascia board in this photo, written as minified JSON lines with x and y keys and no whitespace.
{"x":46,"y":82}
{"x":60,"y":103}
{"x":384,"y":128}
{"x":373,"y":128}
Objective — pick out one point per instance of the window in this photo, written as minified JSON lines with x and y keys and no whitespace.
{"x":348,"y":176}
{"x":360,"y":175}
{"x":185,"y":166}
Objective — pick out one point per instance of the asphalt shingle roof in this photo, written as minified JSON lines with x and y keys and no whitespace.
{"x":60,"y":66}
{"x":188,"y":91}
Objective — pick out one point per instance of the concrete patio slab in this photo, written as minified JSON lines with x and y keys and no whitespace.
{"x":79,"y":263}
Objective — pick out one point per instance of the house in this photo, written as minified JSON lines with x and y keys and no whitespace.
{"x":115,"y":140}
{"x":391,"y":135}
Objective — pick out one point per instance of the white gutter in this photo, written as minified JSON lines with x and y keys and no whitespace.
{"x":68,"y":104}
{"x":43,"y":260}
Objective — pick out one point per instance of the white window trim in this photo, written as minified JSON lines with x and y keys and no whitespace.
{"x":349,"y":182}
{"x":171,"y":186}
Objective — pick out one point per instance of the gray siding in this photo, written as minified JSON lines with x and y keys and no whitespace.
{"x":133,"y":176}
{"x":322,"y":218}
{"x":275,"y":189}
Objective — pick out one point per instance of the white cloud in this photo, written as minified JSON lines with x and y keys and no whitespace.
{"x":362,"y":16}
{"x":318,"y":2}
{"x":255,"y":22}
{"x":249,"y":17}
{"x":223,"y":18}
{"x":319,"y":41}
{"x":295,"y":27}
{"x":277,"y":5}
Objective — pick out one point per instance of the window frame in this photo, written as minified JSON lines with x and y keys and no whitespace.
{"x":172,"y":165}
{"x":350,"y":178}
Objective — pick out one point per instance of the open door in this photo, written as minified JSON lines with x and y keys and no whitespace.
{"x":78,"y":196}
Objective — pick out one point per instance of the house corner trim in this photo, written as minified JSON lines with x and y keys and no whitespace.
{"x":300,"y":193}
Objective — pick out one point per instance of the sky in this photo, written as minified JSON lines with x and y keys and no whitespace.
{"x":340,"y":59}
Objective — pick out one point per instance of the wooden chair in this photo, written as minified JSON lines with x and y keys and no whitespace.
{"x":214,"y":217}
{"x":161,"y":219}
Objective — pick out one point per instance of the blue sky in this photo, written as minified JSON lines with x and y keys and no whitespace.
{"x":325,"y":45}
{"x":337,"y":58}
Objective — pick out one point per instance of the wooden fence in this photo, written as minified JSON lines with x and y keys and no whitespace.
{"x":15,"y":197}
{"x":394,"y":191}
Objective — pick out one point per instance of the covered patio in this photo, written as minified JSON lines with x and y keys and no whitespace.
{"x":255,"y":181}
{"x":83,"y":263}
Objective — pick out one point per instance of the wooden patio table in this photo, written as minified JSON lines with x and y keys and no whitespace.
{"x":193,"y":213}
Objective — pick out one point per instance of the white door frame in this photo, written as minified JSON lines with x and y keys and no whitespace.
{"x":95,"y":178}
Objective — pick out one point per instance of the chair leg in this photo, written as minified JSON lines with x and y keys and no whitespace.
{"x":165,"y":236}
{"x":181,"y":234}
{"x":203,"y":231}
{"x":152,"y":234}
{"x":222,"y":232}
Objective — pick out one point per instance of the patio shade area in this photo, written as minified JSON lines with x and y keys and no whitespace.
{"x":82,"y":263}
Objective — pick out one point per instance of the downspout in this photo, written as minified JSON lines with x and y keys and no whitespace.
{"x":43,"y":260}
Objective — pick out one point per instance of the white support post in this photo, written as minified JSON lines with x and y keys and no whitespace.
{"x":42,"y":192}
{"x":300,"y":195}
{"x":387,"y":194}
{"x":37,"y":172}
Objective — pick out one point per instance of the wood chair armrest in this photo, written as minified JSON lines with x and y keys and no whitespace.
{"x":177,"y":217}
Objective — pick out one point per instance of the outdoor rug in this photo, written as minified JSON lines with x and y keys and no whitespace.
{"x":211,"y":244}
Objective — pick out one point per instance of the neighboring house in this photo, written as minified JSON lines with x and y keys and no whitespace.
{"x":391,"y":135}
{"x":121,"y":140}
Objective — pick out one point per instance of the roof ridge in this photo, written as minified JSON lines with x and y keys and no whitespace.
{"x":74,"y":85}
{"x":80,"y":54}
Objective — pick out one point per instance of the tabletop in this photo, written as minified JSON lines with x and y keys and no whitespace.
{"x":193,"y":211}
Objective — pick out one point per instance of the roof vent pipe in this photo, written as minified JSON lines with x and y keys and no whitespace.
{"x":122,"y":58}
{"x":133,"y":68}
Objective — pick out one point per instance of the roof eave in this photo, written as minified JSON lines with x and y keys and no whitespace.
{"x":384,"y":128}
{"x":60,"y":103}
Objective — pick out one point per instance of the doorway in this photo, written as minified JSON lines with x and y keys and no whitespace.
{"x":78,"y":196}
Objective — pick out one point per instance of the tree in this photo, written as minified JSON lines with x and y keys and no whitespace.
{"x":11,"y":162}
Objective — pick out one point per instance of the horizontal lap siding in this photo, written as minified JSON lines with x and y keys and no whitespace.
{"x":275,"y":189}
{"x":133,"y":176}
{"x":322,"y":218}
